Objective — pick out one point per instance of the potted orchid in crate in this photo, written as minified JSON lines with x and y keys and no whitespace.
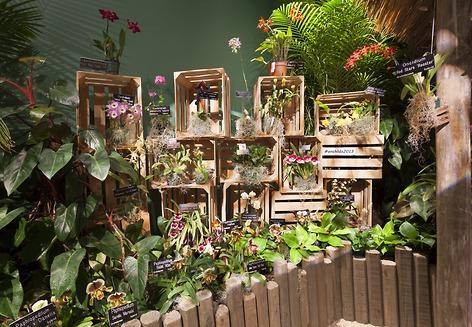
{"x":251,"y":205}
{"x":111,"y":50}
{"x":302,"y":169}
{"x":251,"y":165}
{"x":157,"y":108}
{"x":122,"y":115}
{"x":352,"y":118}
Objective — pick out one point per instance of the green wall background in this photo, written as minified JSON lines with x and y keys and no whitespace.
{"x":175,"y":35}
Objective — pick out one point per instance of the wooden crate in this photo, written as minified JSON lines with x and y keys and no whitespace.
{"x":171,"y":197}
{"x":362,"y":202}
{"x":352,"y":156}
{"x":95,"y":90}
{"x":233,"y":205}
{"x":294,"y":111}
{"x":210,"y":157}
{"x":227,"y":149}
{"x":336,"y":101}
{"x":185,"y":85}
{"x":284,"y":206}
{"x":285,"y":149}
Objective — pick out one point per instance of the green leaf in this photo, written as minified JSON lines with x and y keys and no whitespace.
{"x":408,"y":230}
{"x":65,"y":223}
{"x":388,"y":229}
{"x":106,"y":242}
{"x":90,"y":206}
{"x":386,"y":127}
{"x":51,"y":162}
{"x":291,"y":239}
{"x":64,"y":270}
{"x":21,"y":167}
{"x":120,"y":165}
{"x":344,"y":231}
{"x":136,"y":273}
{"x":20,"y":232}
{"x":295,"y":256}
{"x":396,"y":160}
{"x":335,"y":241}
{"x":302,"y":234}
{"x":271,"y":256}
{"x":38,"y":112}
{"x":11,"y":295}
{"x":93,"y":139}
{"x":147,"y":244}
{"x":6,"y":218}
{"x":260,"y":242}
{"x":97,"y":165}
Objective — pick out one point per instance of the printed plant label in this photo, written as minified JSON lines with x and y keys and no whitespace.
{"x":41,"y":318}
{"x":123,"y":313}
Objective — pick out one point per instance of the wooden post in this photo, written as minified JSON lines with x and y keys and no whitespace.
{"x":406,"y":290}
{"x":453,"y":206}
{"x":250,"y":310}
{"x":205,"y":309}
{"x":304,"y":303}
{"x":294,"y":294}
{"x":347,"y":284}
{"x":189,"y":313}
{"x":334,"y":254}
{"x":313,"y":265}
{"x":234,"y":299}
{"x":151,"y":319}
{"x":422,"y":293}
{"x":360,"y":290}
{"x":374,"y":287}
{"x":172,"y":319}
{"x":329,"y":287}
{"x":274,"y":303}
{"x":390,"y":293}
{"x":281,"y":278}
{"x":222,"y":316}
{"x":260,"y":291}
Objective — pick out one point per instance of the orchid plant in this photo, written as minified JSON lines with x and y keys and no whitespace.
{"x":121,"y":114}
{"x":352,"y":118}
{"x":157,"y":96}
{"x":301,"y":165}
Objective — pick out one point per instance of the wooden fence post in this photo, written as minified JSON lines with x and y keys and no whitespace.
{"x":151,"y":319}
{"x":281,"y":278}
{"x":205,"y":309}
{"x":304,"y":303}
{"x":234,"y":299}
{"x":347,"y":284}
{"x":406,"y":296}
{"x":334,"y":254}
{"x":189,"y":314}
{"x":361,"y":303}
{"x":329,"y":287}
{"x":260,"y":291}
{"x":390,"y":293}
{"x":274,"y":303}
{"x":172,"y":319}
{"x":374,"y":287}
{"x":422,"y":293}
{"x":313,"y":265}
{"x":250,"y":310}
{"x":222,"y":316}
{"x":294,"y":294}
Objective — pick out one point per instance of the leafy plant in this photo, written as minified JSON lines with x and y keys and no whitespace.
{"x":301,"y":165}
{"x":174,"y":166}
{"x":300,"y":243}
{"x":256,"y":156}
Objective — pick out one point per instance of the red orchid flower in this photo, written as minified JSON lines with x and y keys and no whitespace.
{"x":108,"y":15}
{"x":133,"y":26}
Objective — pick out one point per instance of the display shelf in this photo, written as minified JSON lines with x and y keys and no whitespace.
{"x":284,"y":206}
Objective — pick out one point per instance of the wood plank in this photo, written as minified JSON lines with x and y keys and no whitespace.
{"x":274,"y":304}
{"x":346,"y":140}
{"x":360,"y":290}
{"x":304,"y":304}
{"x":334,"y":254}
{"x":294,"y":294}
{"x":352,"y":162}
{"x":188,"y":312}
{"x":404,"y":261}
{"x":358,"y":174}
{"x":222,"y":316}
{"x":250,"y":310}
{"x":172,"y":319}
{"x":352,"y":151}
{"x":390,"y":293}
{"x":422,"y":291}
{"x":312,"y":266}
{"x":329,"y":286}
{"x":151,"y":319}
{"x":281,"y":278}
{"x":278,"y":196}
{"x":260,"y":291}
{"x":234,"y":299}
{"x":347,"y":283}
{"x":374,"y":287}
{"x":432,"y":272}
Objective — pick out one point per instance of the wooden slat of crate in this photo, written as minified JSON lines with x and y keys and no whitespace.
{"x":171,"y":197}
{"x":298,"y":141}
{"x":352,"y":156}
{"x":336,"y":100}
{"x":207,"y":146}
{"x":295,"y":109}
{"x":226,"y":148}
{"x":286,"y":205}
{"x":185,"y":83}
{"x":231,"y":200}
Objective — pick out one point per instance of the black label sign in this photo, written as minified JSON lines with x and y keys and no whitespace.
{"x":295,"y":64}
{"x":43,"y":317}
{"x":257,"y":266}
{"x":99,"y":65}
{"x":123,"y":313}
{"x":188,"y":207}
{"x":159,"y":110}
{"x":230,"y":225}
{"x":243,"y":94}
{"x":375,"y":90}
{"x":249,"y":216}
{"x":209,"y":95}
{"x":125,"y":191}
{"x":414,"y":66}
{"x":278,"y":221}
{"x":160,"y":266}
{"x":129,"y":99}
{"x":347,"y":198}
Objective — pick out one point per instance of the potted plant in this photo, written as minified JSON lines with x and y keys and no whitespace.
{"x":251,"y":164}
{"x":172,"y":168}
{"x":201,"y":172}
{"x":111,"y":50}
{"x":302,"y":169}
{"x":278,"y":44}
{"x":121,"y":115}
{"x":352,"y":118}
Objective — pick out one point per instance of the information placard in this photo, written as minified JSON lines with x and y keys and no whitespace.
{"x":414,"y":66}
{"x":40,"y":318}
{"x":123,"y":313}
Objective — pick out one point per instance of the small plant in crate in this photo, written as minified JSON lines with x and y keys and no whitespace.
{"x":340,"y":203}
{"x":172,"y":168}
{"x":251,"y":164}
{"x":200,"y":121}
{"x":202,"y":174}
{"x":250,"y":204}
{"x":352,"y":118}
{"x":121,"y":115}
{"x":246,"y":126}
{"x":272,"y":111}
{"x":302,"y":169}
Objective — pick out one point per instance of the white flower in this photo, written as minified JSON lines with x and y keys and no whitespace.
{"x":39,"y":305}
{"x":208,"y":249}
{"x":252,"y":194}
{"x":244,"y":196}
{"x":234,"y":44}
{"x":256,"y":204}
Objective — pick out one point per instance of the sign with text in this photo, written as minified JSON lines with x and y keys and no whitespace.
{"x":414,"y":66}
{"x":375,"y":91}
{"x":125,"y":191}
{"x":156,"y":267}
{"x":295,"y":64}
{"x":208,"y":95}
{"x":243,"y":94}
{"x":249,"y":216}
{"x":277,"y":221}
{"x":159,"y":110}
{"x":99,"y":65}
{"x":347,"y":198}
{"x":188,"y":207}
{"x":229,"y":225}
{"x":42,"y":317}
{"x":340,"y":151}
{"x":129,"y":99}
{"x":257,"y":266}
{"x":123,"y":313}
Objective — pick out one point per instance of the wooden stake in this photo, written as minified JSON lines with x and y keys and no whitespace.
{"x":222,"y":316}
{"x":274,"y":303}
{"x":374,"y":287}
{"x":404,"y":260}
{"x":234,"y":300}
{"x":422,"y":293}
{"x":205,"y":309}
{"x":389,"y":292}
{"x":347,"y":284}
{"x":360,"y":290}
{"x":281,"y":278}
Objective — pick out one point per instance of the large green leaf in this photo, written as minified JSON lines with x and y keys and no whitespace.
{"x":136,"y":273}
{"x":120,"y":165}
{"x":97,"y":165}
{"x":295,"y":256}
{"x":11,"y":295}
{"x":93,"y":139}
{"x":65,"y":223}
{"x":64,"y":270}
{"x":21,"y":167}
{"x":147,"y":244}
{"x":50,"y":162}
{"x":408,"y":230}
{"x":106,"y":242}
{"x":6,"y":218}
{"x":291,"y":239}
